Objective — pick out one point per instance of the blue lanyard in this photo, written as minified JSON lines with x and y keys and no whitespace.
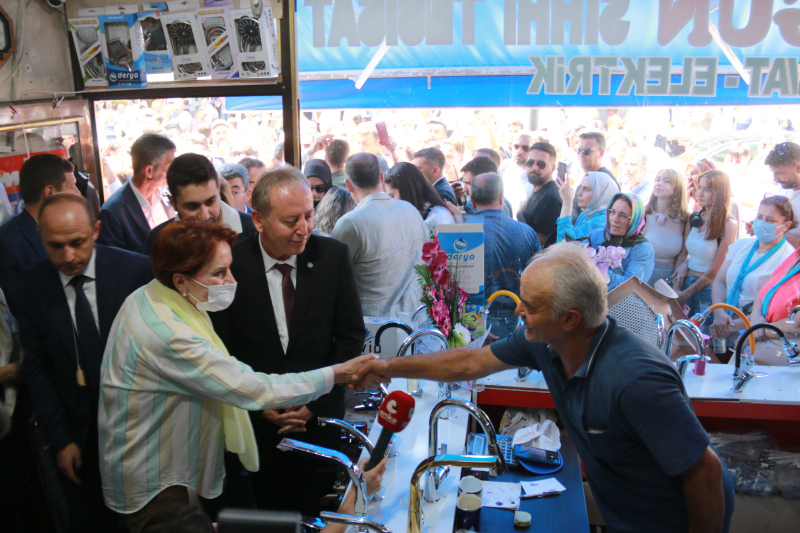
{"x":736,"y":290}
{"x":770,"y":293}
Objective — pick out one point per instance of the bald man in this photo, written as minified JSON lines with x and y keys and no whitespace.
{"x":65,"y":306}
{"x":648,"y":460}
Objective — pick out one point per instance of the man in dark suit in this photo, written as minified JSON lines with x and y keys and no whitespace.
{"x":194,"y":192}
{"x":138,"y":206}
{"x":20,"y":244}
{"x":431,"y":163}
{"x":296,"y":308}
{"x":65,"y":306}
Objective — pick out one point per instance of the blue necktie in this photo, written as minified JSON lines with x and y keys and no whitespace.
{"x":89,"y":342}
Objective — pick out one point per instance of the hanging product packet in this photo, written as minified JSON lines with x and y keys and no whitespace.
{"x":123,"y":55}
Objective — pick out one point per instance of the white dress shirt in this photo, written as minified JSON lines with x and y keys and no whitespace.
{"x":274,"y":281}
{"x":89,"y":288}
{"x":155,"y":212}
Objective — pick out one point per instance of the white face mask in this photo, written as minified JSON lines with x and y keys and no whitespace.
{"x":220,"y":297}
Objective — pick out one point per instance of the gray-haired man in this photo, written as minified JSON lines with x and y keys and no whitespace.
{"x":238,"y":178}
{"x":647,"y":458}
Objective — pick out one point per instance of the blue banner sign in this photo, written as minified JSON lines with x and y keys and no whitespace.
{"x":579,"y":52}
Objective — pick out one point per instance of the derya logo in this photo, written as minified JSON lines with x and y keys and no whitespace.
{"x":112,"y":76}
{"x":460,"y":245}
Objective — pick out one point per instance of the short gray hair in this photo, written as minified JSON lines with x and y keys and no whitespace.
{"x":487,"y":189}
{"x":577,"y":283}
{"x":284,"y":176}
{"x":232,"y":170}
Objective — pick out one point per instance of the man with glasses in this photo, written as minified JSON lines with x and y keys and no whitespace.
{"x":319,"y":178}
{"x":515,"y":173}
{"x":784,"y":163}
{"x":591,"y":149}
{"x":541,"y":210}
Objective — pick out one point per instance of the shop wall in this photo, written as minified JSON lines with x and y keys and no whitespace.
{"x":41,"y":61}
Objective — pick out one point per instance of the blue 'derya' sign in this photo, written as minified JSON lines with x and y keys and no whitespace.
{"x":664,"y":51}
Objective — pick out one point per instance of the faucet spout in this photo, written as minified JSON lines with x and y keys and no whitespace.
{"x":356,"y":476}
{"x":349,"y":428}
{"x":360,"y":522}
{"x":695,"y":334}
{"x":789,"y":348}
{"x":432,"y":463}
{"x":392,"y":324}
{"x":413,"y":384}
{"x":432,"y":492}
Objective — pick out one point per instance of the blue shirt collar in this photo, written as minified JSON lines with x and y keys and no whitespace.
{"x":591,"y":355}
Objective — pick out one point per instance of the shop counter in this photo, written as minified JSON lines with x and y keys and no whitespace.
{"x":412,"y":448}
{"x":771,"y":402}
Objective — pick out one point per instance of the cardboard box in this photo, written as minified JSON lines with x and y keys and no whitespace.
{"x":123,"y":55}
{"x":216,"y":26}
{"x":256,"y":43}
{"x":185,"y":43}
{"x":86,"y":37}
{"x":152,"y":36}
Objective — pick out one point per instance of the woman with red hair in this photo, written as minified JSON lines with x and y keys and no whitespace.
{"x":173,"y":398}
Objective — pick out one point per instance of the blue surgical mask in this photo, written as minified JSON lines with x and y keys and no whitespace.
{"x":764,"y":231}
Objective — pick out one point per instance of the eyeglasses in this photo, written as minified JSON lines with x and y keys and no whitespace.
{"x":321,"y":189}
{"x":585,"y":151}
{"x":540,"y":164}
{"x":614,"y":213}
{"x":525,"y":147}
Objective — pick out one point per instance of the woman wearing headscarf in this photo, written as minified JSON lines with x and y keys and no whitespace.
{"x":625,"y":225}
{"x":594,"y":193}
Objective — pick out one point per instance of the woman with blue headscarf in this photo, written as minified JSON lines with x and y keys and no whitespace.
{"x":594,"y":193}
{"x":625,"y":225}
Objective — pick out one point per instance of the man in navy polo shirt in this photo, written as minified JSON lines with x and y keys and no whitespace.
{"x":648,"y":460}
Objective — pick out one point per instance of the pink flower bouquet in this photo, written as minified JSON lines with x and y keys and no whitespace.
{"x":605,"y":257}
{"x":441,"y":294}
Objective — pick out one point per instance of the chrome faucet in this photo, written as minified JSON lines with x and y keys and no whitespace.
{"x":350,"y":429}
{"x":792,"y":314}
{"x":789,"y":348}
{"x":494,"y":462}
{"x":413,"y":384}
{"x":361,"y":522}
{"x":359,"y":484}
{"x":696,"y":335}
{"x":434,"y":477}
{"x":421,"y":309}
{"x":660,"y":330}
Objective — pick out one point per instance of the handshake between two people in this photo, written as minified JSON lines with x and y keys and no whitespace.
{"x":365,"y":372}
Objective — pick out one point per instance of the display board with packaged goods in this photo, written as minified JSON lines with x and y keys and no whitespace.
{"x":131,"y":46}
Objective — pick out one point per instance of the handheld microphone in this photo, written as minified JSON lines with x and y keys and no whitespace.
{"x":394,"y":415}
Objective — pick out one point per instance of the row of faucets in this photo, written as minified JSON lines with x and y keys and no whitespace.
{"x":434,"y":469}
{"x":740,"y":376}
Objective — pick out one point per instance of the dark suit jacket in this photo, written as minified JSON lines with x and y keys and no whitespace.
{"x":247,"y":229}
{"x":327,"y":324}
{"x":445,"y":190}
{"x":38,"y":302}
{"x":20,"y":247}
{"x":123,"y":222}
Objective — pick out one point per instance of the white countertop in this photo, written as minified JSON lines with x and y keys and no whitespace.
{"x":780,"y":386}
{"x":412,"y":448}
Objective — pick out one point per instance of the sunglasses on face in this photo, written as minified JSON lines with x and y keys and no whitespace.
{"x":524,"y":147}
{"x":531,"y":162}
{"x":585,"y":151}
{"x":320,"y":189}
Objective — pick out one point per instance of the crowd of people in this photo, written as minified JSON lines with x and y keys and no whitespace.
{"x":141,"y":370}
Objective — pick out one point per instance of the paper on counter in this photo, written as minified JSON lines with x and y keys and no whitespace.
{"x":543,"y":487}
{"x":501,"y":495}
